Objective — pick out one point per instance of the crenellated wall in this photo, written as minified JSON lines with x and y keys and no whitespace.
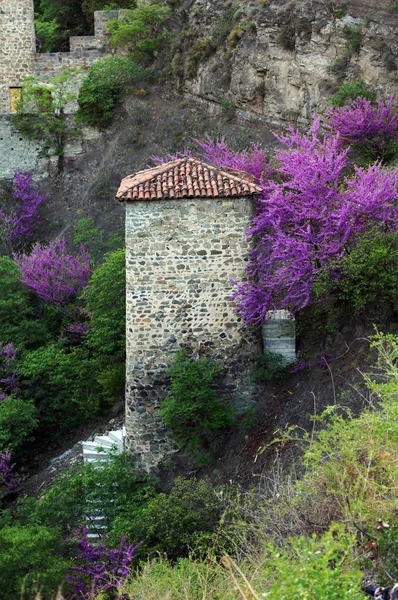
{"x":18,"y":59}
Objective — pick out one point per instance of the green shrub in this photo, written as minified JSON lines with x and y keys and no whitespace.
{"x":116,"y":489}
{"x":103,"y":88}
{"x":141,"y":31}
{"x":105,"y":299}
{"x":24,"y":320}
{"x":192,"y":410}
{"x":270,"y":366}
{"x":30,"y":560}
{"x":314,"y":568}
{"x":63,"y":383}
{"x":91,"y":236}
{"x":18,"y":420}
{"x":351,"y":91}
{"x":184,"y":521}
{"x":48,"y":34}
{"x":367,"y":273}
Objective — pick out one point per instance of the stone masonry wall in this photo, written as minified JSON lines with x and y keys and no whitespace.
{"x":181,"y":258}
{"x":17,"y":46}
{"x":18,"y":59}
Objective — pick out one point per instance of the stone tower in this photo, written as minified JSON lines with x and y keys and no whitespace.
{"x":17,"y":47}
{"x":186,"y":225}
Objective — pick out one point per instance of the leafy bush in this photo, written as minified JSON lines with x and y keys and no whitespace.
{"x":367,"y":273}
{"x":42,"y":113}
{"x":48,"y":34}
{"x":103,"y":88}
{"x":192,"y":410}
{"x":92,"y":237}
{"x":90,"y":6}
{"x":116,"y":489}
{"x":181,"y":522}
{"x":141,"y":31}
{"x":105,"y":299}
{"x":22,"y":320}
{"x":352,"y":91}
{"x":30,"y":560}
{"x":270,"y":366}
{"x":18,"y":421}
{"x":63,"y":383}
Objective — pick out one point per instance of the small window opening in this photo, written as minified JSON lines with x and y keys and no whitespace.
{"x":15,"y":97}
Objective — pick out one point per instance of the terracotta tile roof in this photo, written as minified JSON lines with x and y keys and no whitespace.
{"x":186,"y":178}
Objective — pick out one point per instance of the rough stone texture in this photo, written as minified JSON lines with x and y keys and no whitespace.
{"x":286,"y":66}
{"x":181,"y":258}
{"x":17,"y":46}
{"x":18,"y":59}
{"x":15,"y":151}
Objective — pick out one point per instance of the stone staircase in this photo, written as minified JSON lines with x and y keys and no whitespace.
{"x":97,"y":452}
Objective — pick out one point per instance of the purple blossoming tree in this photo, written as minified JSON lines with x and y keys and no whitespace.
{"x":307,"y":218}
{"x":371,"y":130}
{"x":99,"y":568}
{"x":216,"y":152}
{"x":54,"y":275}
{"x":24,"y":220}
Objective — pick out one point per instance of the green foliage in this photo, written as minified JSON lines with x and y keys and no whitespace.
{"x":93,"y":239}
{"x":141,"y":31}
{"x":69,"y":17}
{"x":42,"y":112}
{"x":105,"y":298}
{"x":24,"y":321}
{"x":192,"y":410}
{"x":311,"y":568}
{"x":115,"y":489}
{"x":90,"y":6}
{"x":48,"y":34}
{"x":63,"y":383}
{"x":181,"y":522}
{"x":30,"y":559}
{"x":103,"y":88}
{"x":351,"y":91}
{"x":368,"y":273}
{"x":18,"y":420}
{"x":270,"y":366}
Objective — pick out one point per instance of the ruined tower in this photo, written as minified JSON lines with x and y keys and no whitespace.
{"x":17,"y":48}
{"x":186,"y":225}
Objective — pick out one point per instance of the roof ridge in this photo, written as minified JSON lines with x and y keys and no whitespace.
{"x":204,"y":173}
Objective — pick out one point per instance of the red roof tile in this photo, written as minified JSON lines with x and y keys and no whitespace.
{"x":186,"y":178}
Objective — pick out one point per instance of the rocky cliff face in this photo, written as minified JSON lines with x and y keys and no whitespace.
{"x":282,"y":60}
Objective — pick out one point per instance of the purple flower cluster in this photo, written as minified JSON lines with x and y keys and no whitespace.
{"x":308,"y":217}
{"x":99,"y":568}
{"x":9,"y":481}
{"x":54,"y":275}
{"x":253,"y":161}
{"x":24,"y":219}
{"x":370,"y":128}
{"x":8,"y":371}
